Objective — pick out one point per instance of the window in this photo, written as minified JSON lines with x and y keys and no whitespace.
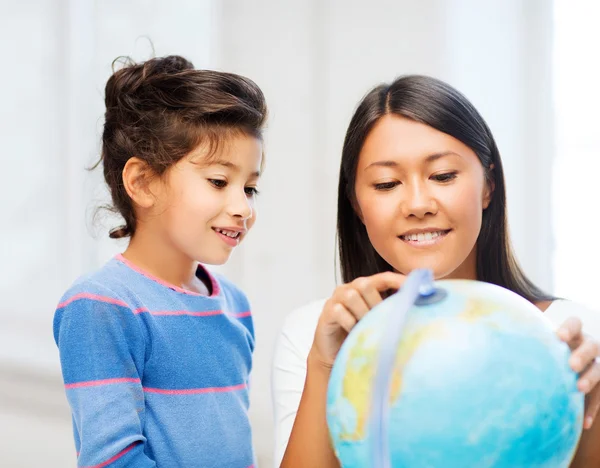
{"x":576,"y":188}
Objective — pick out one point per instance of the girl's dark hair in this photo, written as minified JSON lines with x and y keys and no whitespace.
{"x":163,"y":108}
{"x":438,"y":105}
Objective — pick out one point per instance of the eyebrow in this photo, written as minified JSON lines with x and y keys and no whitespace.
{"x":233,"y":167}
{"x":429,"y":159}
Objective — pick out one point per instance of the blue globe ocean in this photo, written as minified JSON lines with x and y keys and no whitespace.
{"x":479,"y":379}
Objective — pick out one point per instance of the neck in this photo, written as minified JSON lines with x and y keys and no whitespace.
{"x":153,"y":254}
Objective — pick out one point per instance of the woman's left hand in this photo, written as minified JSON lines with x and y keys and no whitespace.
{"x":584,"y":360}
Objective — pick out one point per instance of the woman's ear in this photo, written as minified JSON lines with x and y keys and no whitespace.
{"x":357,"y":210}
{"x":136,"y":179}
{"x":490,"y":186}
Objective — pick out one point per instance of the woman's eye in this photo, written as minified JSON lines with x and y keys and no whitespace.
{"x":447,"y":177}
{"x":218,"y":183}
{"x":385,"y":185}
{"x":251,"y":191}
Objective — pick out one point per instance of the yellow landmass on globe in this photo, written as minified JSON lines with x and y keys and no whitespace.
{"x":476,"y":309}
{"x":360,"y":368}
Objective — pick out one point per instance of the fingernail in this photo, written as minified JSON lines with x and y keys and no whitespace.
{"x":575,"y":363}
{"x":588,"y":422}
{"x":584,"y":385}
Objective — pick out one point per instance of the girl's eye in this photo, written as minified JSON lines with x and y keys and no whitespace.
{"x":218,"y":183}
{"x":251,"y":191}
{"x":383,"y":186}
{"x":447,"y":177}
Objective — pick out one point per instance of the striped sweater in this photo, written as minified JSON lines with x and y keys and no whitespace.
{"x":156,"y":375}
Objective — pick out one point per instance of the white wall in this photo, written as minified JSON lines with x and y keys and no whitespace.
{"x":314,"y":60}
{"x":56,"y":58}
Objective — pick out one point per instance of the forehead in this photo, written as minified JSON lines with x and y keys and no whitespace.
{"x":404,"y":141}
{"x":237,"y":152}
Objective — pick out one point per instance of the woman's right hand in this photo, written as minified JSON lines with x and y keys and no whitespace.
{"x":348,"y":304}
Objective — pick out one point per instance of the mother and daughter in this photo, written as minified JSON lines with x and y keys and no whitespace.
{"x":156,"y":350}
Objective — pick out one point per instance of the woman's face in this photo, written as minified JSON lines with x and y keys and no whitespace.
{"x":420,"y":194}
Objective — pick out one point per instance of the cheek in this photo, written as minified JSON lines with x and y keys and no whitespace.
{"x":191,"y":204}
{"x":464,"y":207}
{"x":379,"y":215}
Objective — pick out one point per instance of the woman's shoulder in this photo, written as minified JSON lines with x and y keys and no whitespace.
{"x":561,"y":309}
{"x":308,"y":313}
{"x":299,"y":325}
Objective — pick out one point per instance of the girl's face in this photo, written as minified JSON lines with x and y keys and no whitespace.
{"x":205,"y":207}
{"x":420,"y":194}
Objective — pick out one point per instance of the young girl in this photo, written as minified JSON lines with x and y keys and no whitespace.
{"x":156,"y":351}
{"x":421,"y":186}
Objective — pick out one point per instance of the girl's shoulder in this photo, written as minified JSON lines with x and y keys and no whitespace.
{"x":113,"y":282}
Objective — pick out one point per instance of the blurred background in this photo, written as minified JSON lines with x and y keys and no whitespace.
{"x":531,"y":67}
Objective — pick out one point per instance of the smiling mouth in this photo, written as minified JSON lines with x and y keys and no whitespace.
{"x":424,"y":238}
{"x":231,"y":234}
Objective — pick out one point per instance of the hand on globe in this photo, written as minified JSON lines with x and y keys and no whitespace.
{"x":584,"y":361}
{"x":347,"y":305}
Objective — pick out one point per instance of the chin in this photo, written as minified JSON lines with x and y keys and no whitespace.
{"x":439,"y":271}
{"x":216,"y":261}
{"x":213,"y":258}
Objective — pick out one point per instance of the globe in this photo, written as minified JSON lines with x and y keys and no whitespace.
{"x":476,"y":378}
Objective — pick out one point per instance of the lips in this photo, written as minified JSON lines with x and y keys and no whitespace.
{"x":230,"y":235}
{"x":424,"y":238}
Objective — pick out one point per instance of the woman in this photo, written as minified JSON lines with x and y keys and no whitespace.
{"x":421,"y":186}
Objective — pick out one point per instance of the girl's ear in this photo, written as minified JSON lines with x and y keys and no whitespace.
{"x":136,"y":179}
{"x":490,"y":186}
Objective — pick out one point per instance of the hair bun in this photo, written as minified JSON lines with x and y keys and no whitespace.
{"x":125,"y":83}
{"x":171,"y":64}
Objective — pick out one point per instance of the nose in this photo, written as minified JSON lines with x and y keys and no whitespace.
{"x":240,"y":205}
{"x":418,"y":201}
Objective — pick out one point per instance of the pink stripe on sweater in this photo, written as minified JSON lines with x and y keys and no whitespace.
{"x":204,"y":313}
{"x":215,"y":285}
{"x":115,"y":458}
{"x":96,"y":383}
{"x":142,"y":310}
{"x":196,"y":391}
{"x":93,"y":297}
{"x":242,"y":314}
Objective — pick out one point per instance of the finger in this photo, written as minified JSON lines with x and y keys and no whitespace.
{"x":343,"y":317}
{"x":368,"y":292}
{"x":570,"y":332}
{"x":352,"y":300}
{"x":584,"y":355}
{"x":387,"y":280}
{"x":589,"y":379}
{"x":592,"y":404}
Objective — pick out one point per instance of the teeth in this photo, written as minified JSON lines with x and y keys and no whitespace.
{"x":231,"y":234}
{"x":423,"y":236}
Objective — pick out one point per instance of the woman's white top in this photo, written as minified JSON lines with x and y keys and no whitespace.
{"x":295,"y":340}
